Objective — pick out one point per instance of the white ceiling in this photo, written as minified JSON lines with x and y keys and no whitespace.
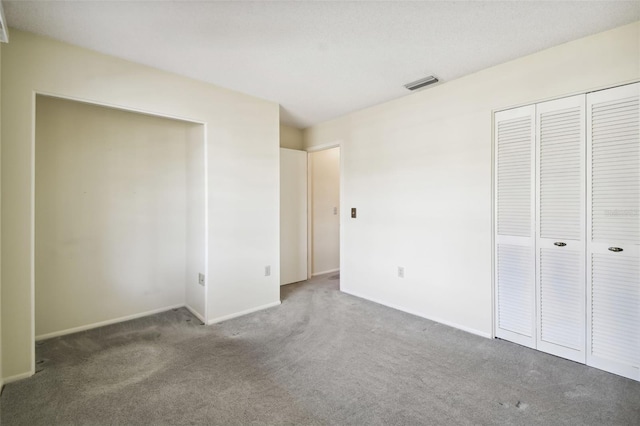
{"x":319,"y":60}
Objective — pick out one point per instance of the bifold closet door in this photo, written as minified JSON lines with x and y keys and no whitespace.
{"x":560,"y":227}
{"x":514,"y":226}
{"x":613,"y":230}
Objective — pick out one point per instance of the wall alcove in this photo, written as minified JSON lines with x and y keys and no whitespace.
{"x":119,"y":215}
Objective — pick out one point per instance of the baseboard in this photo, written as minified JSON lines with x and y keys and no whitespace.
{"x":325,"y":272}
{"x":242,"y":313}
{"x":294,"y":282}
{"x":107,"y":322}
{"x":195,"y":314}
{"x":412,"y":312}
{"x":21,"y":376}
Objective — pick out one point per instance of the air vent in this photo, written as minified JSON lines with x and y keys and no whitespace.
{"x":4,"y":33}
{"x":415,"y":85}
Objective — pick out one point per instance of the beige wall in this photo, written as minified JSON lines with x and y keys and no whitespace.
{"x":324,"y":172}
{"x":111,"y":214}
{"x":242,"y":140}
{"x":419,"y":171}
{"x":330,"y":132}
{"x":291,"y":138}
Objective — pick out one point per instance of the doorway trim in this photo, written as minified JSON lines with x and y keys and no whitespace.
{"x":323,"y":147}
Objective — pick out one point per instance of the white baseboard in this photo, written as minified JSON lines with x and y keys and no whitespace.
{"x":242,"y":313}
{"x":315,"y":274}
{"x":412,"y":312}
{"x":107,"y":322}
{"x":294,"y":282}
{"x":195,"y":313}
{"x":11,"y":379}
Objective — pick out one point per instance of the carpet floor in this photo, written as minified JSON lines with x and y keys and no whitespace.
{"x":321,"y":358}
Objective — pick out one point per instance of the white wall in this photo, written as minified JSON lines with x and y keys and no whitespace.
{"x":419,"y":171}
{"x":291,"y":138}
{"x":196,"y":230}
{"x":242,"y":174}
{"x":111,"y":214}
{"x":324,"y":172}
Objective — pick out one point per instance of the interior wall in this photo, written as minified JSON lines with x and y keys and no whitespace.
{"x":196,"y":229}
{"x":242,"y":141}
{"x":291,"y":138}
{"x":111,"y":214}
{"x":419,"y":171}
{"x":324,"y":171}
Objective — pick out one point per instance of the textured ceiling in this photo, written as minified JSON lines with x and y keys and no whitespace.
{"x":319,"y":60}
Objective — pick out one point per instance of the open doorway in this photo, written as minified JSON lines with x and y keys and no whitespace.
{"x":324,"y":211}
{"x":119,"y":216}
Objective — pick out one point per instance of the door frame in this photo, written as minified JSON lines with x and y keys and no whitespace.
{"x":310,"y":150}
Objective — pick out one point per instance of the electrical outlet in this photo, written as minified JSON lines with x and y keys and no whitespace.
{"x":400,"y":271}
{"x":201,"y":279}
{"x":267,"y":270}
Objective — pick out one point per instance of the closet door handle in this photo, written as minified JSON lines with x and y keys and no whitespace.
{"x":615,"y":249}
{"x":560,"y":244}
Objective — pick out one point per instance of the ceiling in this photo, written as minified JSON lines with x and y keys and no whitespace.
{"x":318,"y":60}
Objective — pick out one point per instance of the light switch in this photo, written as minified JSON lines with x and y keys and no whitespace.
{"x":353,"y":212}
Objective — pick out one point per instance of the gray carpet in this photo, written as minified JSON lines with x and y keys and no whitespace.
{"x":322,"y":357}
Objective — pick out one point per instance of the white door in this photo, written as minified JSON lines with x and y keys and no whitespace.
{"x":514,"y":226}
{"x":560,"y":227}
{"x":613,"y":230}
{"x":293,"y":216}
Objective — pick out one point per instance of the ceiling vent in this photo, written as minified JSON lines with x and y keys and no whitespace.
{"x":4,"y":32}
{"x":418,"y":84}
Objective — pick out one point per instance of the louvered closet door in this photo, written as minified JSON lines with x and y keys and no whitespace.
{"x":613,"y":230}
{"x":560,"y":223}
{"x":514,"y":241}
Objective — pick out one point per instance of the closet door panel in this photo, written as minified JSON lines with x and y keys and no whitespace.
{"x":613,"y":226}
{"x":562,"y":323}
{"x":514,"y":242}
{"x":615,"y":316}
{"x":515,"y":296}
{"x":560,"y":220}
